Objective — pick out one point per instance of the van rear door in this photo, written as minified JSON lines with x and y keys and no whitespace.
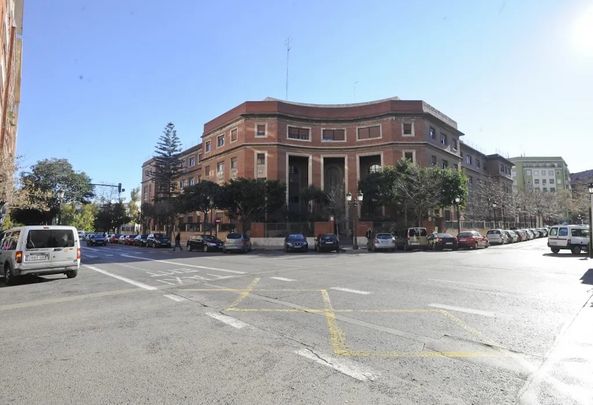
{"x":50,"y":247}
{"x":558,"y":237}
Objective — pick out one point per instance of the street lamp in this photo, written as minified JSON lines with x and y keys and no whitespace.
{"x":457,"y":201}
{"x":591,"y":221}
{"x":60,"y":198}
{"x":354,"y":203}
{"x":494,"y":213}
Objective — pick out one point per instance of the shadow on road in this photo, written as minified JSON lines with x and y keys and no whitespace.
{"x":587,"y":277}
{"x":567,"y":255}
{"x":26,"y":280}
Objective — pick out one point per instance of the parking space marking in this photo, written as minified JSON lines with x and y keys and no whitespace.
{"x":127,"y":280}
{"x":186,"y":265}
{"x":175,"y":298}
{"x":465,"y":310}
{"x":235,"y":323}
{"x":350,"y":290}
{"x":345,"y":367}
{"x":282,"y":279}
{"x":245,"y":293}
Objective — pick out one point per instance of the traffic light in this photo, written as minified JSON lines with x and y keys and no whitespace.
{"x":119,"y":189}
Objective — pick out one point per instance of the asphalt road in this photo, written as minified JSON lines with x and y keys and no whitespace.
{"x":507,"y":324}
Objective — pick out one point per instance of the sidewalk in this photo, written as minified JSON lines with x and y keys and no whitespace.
{"x":566,"y":376}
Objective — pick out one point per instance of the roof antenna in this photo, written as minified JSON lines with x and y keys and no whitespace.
{"x":287,"y":43}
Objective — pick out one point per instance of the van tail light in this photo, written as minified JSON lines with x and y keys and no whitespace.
{"x":78,"y":254}
{"x":18,"y":256}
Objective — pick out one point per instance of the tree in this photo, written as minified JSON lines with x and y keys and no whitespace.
{"x":44,"y":183}
{"x":134,"y":205}
{"x":202,"y":197}
{"x":111,"y":216}
{"x":248,"y":200}
{"x":80,"y":216}
{"x":165,"y":173}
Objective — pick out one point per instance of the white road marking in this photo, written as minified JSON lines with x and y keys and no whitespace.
{"x":108,"y":255}
{"x":235,"y":323}
{"x":350,"y":291}
{"x":462,"y":309}
{"x":175,"y":298}
{"x":127,"y":280}
{"x":282,"y":278}
{"x":343,"y":366}
{"x":187,"y":265}
{"x":90,"y":256}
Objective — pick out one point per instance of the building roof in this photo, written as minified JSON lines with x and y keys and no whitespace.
{"x":502,"y":158}
{"x":581,"y":177}
{"x":536,"y":159}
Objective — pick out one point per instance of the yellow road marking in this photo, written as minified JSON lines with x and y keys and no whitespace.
{"x":252,"y":290}
{"x":336,"y":336}
{"x":32,"y":304}
{"x":245,"y":293}
{"x":425,"y":354}
{"x":467,"y":328}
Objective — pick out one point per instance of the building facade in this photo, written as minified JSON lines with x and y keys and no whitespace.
{"x":545,"y":174}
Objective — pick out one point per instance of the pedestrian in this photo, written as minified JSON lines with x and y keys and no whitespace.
{"x":177,"y":242}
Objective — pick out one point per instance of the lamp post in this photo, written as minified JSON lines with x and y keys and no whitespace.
{"x":494,"y":213}
{"x":354,"y":203}
{"x":60,"y":198}
{"x":591,"y":221}
{"x":457,"y":201}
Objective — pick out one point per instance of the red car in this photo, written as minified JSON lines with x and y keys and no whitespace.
{"x":472,"y":240}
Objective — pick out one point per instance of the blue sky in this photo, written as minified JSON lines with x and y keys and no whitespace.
{"x":101,"y":79}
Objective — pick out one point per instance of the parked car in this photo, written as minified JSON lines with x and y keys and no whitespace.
{"x":96,"y":239}
{"x":440,"y":241}
{"x":129,"y":240}
{"x":207,"y":243}
{"x":327,"y":242}
{"x":543,"y":231}
{"x":572,"y":237}
{"x":140,"y":240}
{"x":496,"y":237}
{"x":521,"y":234}
{"x":238,"y":242}
{"x":155,"y":240}
{"x":512,"y":236}
{"x":114,"y":238}
{"x":39,"y":250}
{"x":411,"y":238}
{"x":472,"y":240}
{"x":296,"y":242}
{"x":381,"y":241}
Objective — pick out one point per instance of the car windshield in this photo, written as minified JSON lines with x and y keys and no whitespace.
{"x":296,"y":237}
{"x":384,"y":236}
{"x":328,"y":237}
{"x":234,"y":236}
{"x":465,"y":235}
{"x":444,"y":235}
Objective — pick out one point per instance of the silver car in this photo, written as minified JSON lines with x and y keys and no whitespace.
{"x":381,"y":241}
{"x":237,"y":242}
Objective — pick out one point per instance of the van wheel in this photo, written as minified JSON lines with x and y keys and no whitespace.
{"x":9,"y":277}
{"x":555,"y":250}
{"x":71,"y":273}
{"x":575,"y":250}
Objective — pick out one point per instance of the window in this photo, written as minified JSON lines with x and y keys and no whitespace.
{"x":559,"y":181}
{"x":409,"y":155}
{"x":200,"y":157}
{"x":536,"y":181}
{"x":207,"y":171}
{"x":260,"y":165}
{"x":208,"y":146}
{"x":432,"y":132}
{"x":528,"y":172}
{"x":553,"y":189}
{"x":234,"y":135}
{"x":468,"y":159}
{"x":536,"y":172}
{"x":260,"y":130}
{"x":191,"y":181}
{"x":443,"y":139}
{"x":234,"y":163}
{"x":545,"y":190}
{"x":433,"y":160}
{"x":551,"y":181}
{"x":329,"y":135}
{"x":454,"y":144}
{"x":478,"y":163}
{"x":220,"y":141}
{"x":550,"y":172}
{"x":470,"y":180}
{"x":220,"y":168}
{"x":369,"y":132}
{"x":445,"y":164}
{"x":298,"y":133}
{"x":544,"y":181}
{"x":192,"y":161}
{"x":408,"y":129}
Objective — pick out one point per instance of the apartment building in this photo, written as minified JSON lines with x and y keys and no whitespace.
{"x":545,"y":174}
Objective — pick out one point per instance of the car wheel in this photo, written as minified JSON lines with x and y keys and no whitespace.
{"x":555,"y":250}
{"x":9,"y":277}
{"x":71,"y":273}
{"x":575,"y":250}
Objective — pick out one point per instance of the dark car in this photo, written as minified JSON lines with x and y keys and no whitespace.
{"x":472,"y":240}
{"x":440,"y":241}
{"x":158,"y":240}
{"x":129,"y":240}
{"x":140,"y":240}
{"x":296,"y":242}
{"x":97,"y":239}
{"x":206,"y":243}
{"x":238,"y":242}
{"x":327,"y":242}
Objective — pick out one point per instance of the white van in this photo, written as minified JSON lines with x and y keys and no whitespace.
{"x":40,"y":250}
{"x":572,"y":237}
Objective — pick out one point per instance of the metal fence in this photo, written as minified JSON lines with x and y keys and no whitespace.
{"x":487,"y":225}
{"x":281,"y":229}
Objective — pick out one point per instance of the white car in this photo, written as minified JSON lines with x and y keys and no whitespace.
{"x":381,"y":241}
{"x":496,"y":237}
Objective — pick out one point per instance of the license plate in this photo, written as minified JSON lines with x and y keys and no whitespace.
{"x":448,"y":243}
{"x":36,"y":258}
